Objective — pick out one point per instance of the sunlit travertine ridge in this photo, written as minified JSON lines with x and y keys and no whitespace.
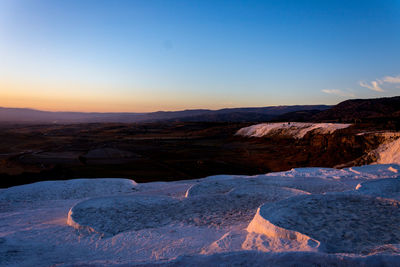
{"x":292,"y":129}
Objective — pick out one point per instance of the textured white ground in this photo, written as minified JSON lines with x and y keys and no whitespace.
{"x":306,"y":216}
{"x":292,"y":129}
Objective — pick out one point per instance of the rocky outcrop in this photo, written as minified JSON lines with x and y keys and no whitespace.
{"x":317,"y":144}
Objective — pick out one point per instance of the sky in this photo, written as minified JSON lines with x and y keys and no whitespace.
{"x":141,"y":56}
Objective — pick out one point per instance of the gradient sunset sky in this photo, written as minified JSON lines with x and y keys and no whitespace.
{"x":136,"y":56}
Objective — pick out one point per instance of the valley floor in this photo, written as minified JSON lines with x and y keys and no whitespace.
{"x":305,"y":216}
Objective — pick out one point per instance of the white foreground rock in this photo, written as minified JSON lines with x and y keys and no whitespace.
{"x":333,"y":223}
{"x":310,"y":216}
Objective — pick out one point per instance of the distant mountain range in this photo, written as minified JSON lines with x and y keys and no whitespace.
{"x":346,"y":111}
{"x":23,"y":115}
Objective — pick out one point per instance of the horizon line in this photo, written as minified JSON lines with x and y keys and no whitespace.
{"x":155,"y":111}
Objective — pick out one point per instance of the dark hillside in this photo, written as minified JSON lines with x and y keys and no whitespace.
{"x":361,"y":110}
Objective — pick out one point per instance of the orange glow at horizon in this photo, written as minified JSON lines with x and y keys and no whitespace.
{"x":48,"y":97}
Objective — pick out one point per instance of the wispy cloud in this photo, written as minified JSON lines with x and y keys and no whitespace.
{"x":391,"y":79}
{"x":378,"y":83}
{"x":374,"y":85}
{"x":338,"y":92}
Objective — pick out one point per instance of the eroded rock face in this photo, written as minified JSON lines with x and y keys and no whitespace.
{"x":341,"y":222}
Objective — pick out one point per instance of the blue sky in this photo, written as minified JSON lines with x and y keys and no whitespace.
{"x":170,"y":55}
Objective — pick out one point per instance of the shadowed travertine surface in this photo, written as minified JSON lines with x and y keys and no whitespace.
{"x":310,"y":216}
{"x":341,"y":222}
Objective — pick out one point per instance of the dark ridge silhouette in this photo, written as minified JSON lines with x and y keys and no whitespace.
{"x":362,"y":110}
{"x":298,"y":116}
{"x":249,"y":114}
{"x":23,"y":115}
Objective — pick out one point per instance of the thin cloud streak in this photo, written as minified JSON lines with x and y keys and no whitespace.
{"x":378,"y":83}
{"x":338,"y":92}
{"x":375,"y":85}
{"x":390,"y":79}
